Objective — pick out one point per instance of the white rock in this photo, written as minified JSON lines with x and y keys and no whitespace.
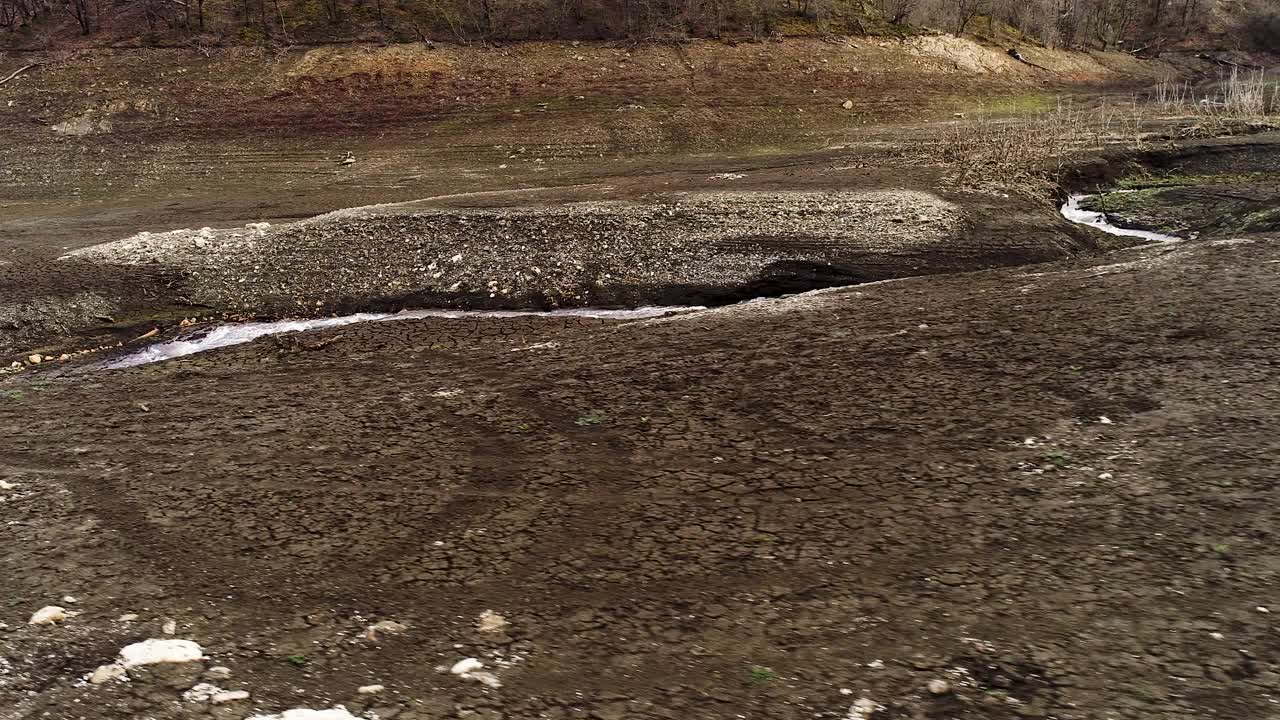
{"x":6,"y":485}
{"x":862,"y":709}
{"x":1216,"y":635}
{"x":491,"y":621}
{"x":370,"y":689}
{"x":154,"y":651}
{"x":127,"y":617}
{"x":337,"y":712}
{"x":484,"y":678}
{"x":34,"y":358}
{"x":462,"y":667}
{"x":48,"y":615}
{"x":939,"y":687}
{"x":105,"y":673}
{"x":1263,"y":609}
{"x":68,"y":600}
{"x":847,"y":104}
{"x":227,"y":696}
{"x":218,"y":672}
{"x":202,"y":692}
{"x":169,"y":627}
{"x":456,"y":258}
{"x":1105,"y":420}
{"x":387,"y":626}
{"x":1105,"y":476}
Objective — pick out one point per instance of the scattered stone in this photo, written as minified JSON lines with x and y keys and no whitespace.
{"x":847,"y":105}
{"x":48,"y":615}
{"x":1105,"y":420}
{"x":939,"y":687}
{"x":468,"y":665}
{"x":387,"y":626}
{"x":336,"y":712}
{"x":370,"y":689}
{"x":491,"y":621}
{"x":127,"y":617}
{"x":105,"y":673}
{"x":6,"y":485}
{"x":1105,"y":476}
{"x":34,"y":359}
{"x":484,"y":678}
{"x":154,"y":651}
{"x":1216,"y":635}
{"x":201,"y":693}
{"x":169,"y":627}
{"x":64,"y":357}
{"x":69,"y":600}
{"x":862,"y":709}
{"x":1263,"y":609}
{"x":229,"y":696}
{"x":218,"y":672}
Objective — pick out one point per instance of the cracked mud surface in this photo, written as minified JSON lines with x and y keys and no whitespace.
{"x":799,"y":508}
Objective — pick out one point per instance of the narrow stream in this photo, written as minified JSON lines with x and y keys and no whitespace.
{"x":225,"y":335}
{"x":1072,"y":211}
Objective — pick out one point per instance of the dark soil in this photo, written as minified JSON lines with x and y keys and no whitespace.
{"x":1053,"y":489}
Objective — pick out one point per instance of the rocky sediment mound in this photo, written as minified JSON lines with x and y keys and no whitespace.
{"x":694,"y":247}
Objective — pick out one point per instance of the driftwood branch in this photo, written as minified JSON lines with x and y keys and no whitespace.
{"x":18,"y":72}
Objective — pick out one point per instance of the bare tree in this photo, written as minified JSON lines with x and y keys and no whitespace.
{"x":895,"y":12}
{"x":966,"y":11}
{"x":79,"y":9}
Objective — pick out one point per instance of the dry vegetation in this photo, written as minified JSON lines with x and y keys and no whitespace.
{"x":1026,"y":154}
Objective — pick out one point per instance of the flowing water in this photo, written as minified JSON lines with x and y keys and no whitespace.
{"x":1072,"y":211}
{"x":224,"y":335}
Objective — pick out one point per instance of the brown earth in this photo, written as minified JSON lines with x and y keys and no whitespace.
{"x":1020,"y":492}
{"x":1051,"y":488}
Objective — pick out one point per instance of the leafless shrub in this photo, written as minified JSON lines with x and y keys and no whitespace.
{"x":1242,"y":97}
{"x":1026,"y":154}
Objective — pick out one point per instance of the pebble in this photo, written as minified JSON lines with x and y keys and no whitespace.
{"x":491,"y":621}
{"x":939,"y":687}
{"x":48,"y":615}
{"x":388,"y":626}
{"x":218,"y":672}
{"x":484,"y":678}
{"x":170,"y":627}
{"x":1105,"y":420}
{"x":105,"y":673}
{"x":847,"y":104}
{"x":68,"y":600}
{"x":468,"y":665}
{"x":370,"y":689}
{"x":127,"y":617}
{"x":34,"y":359}
{"x":1263,"y":609}
{"x":227,"y":696}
